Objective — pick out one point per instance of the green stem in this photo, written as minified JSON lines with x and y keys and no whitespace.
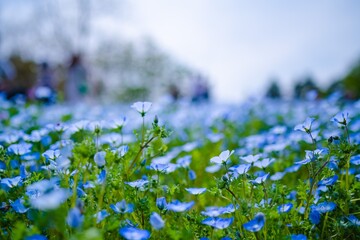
{"x":324,"y":225}
{"x":138,"y":154}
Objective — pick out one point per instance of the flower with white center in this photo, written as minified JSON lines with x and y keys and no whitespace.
{"x":305,"y":126}
{"x":222,"y":158}
{"x":99,"y":158}
{"x":142,"y":107}
{"x":156,"y":221}
{"x":196,"y":191}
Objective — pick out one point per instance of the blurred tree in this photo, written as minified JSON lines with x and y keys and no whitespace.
{"x":352,"y":82}
{"x":25,"y":76}
{"x":140,"y":71}
{"x":273,"y":90}
{"x":306,"y":88}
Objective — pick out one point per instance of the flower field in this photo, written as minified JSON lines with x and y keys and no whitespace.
{"x":265,"y":169}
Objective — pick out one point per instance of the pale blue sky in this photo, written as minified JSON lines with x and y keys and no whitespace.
{"x":241,"y":44}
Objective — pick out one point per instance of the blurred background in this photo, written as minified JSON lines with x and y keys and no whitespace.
{"x":221,"y":51}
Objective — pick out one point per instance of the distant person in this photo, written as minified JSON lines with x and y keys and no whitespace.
{"x":201,"y":90}
{"x":76,"y":86}
{"x":44,"y":89}
{"x":7,"y":75}
{"x":174,"y":92}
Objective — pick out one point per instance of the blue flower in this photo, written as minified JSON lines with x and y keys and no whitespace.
{"x":36,"y":237}
{"x":293,"y":168}
{"x":277,"y":176}
{"x":355,"y":159}
{"x":298,"y":237}
{"x":218,"y":223}
{"x":20,"y":148}
{"x":159,"y":167}
{"x":305,"y":126}
{"x":101,"y":215}
{"x":222,"y":158}
{"x":314,"y":216}
{"x":177,"y":206}
{"x":328,"y":181}
{"x":161,"y":203}
{"x":132,"y":233}
{"x":196,"y":191}
{"x":74,"y":218}
{"x":341,"y":119}
{"x":256,"y":224}
{"x":99,"y":158}
{"x":11,"y":182}
{"x":260,"y":180}
{"x":122,"y":207}
{"x":23,"y":173}
{"x":138,"y":184}
{"x":354,"y":220}
{"x":184,"y":161}
{"x":217,"y":211}
{"x":292,"y":195}
{"x":101,"y":177}
{"x":142,"y":107}
{"x":156,"y":221}
{"x":50,"y":200}
{"x":52,"y":154}
{"x":18,"y":206}
{"x":213,"y":168}
{"x":192,"y":175}
{"x":264,"y":163}
{"x":251,"y":158}
{"x":239,"y":169}
{"x":325,"y":207}
{"x":284,"y":208}
{"x":121,"y":151}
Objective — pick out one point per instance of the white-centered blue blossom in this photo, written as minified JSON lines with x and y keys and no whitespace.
{"x":213,"y":168}
{"x":355,"y":160}
{"x":264,"y":163}
{"x":251,"y":158}
{"x":99,"y":158}
{"x":142,"y":107}
{"x":156,"y":221}
{"x":132,"y":233}
{"x":239,"y":169}
{"x":284,"y":208}
{"x":11,"y":182}
{"x":255,"y":224}
{"x":341,"y":119}
{"x":177,"y":206}
{"x":52,"y":154}
{"x":196,"y":191}
{"x":217,"y":211}
{"x":260,"y":180}
{"x":222,"y":158}
{"x":74,"y":218}
{"x":18,"y":206}
{"x":101,"y":215}
{"x":161,"y":203}
{"x":354,"y":220}
{"x":305,"y":126}
{"x":50,"y":200}
{"x":122,"y":207}
{"x":325,"y":207}
{"x":218,"y":223}
{"x":139,"y":184}
{"x":19,"y":148}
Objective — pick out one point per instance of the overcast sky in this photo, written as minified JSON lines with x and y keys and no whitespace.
{"x":241,"y":44}
{"x":238,"y":44}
